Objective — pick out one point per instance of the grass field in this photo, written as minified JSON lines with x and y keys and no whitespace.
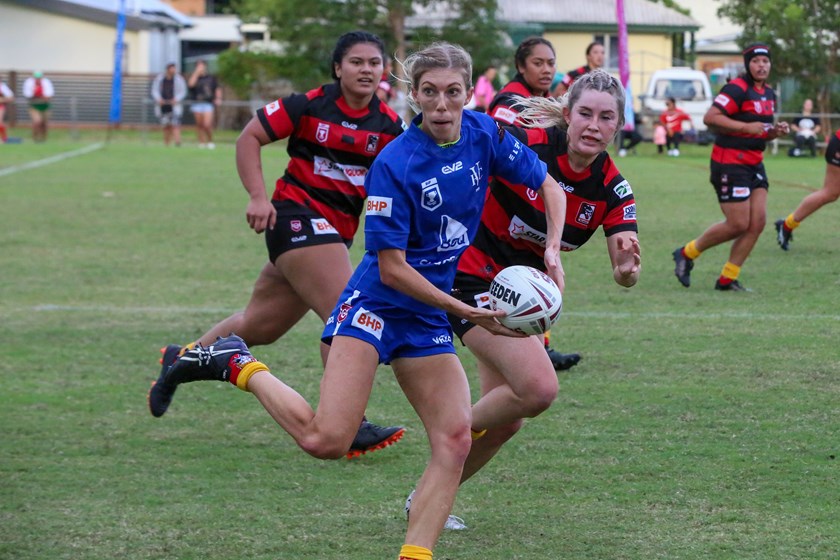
{"x":699,"y":425}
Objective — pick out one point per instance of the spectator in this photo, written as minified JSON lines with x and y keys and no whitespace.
{"x":672,"y":119}
{"x":484,"y":90}
{"x":207,"y":95}
{"x":6,"y":96}
{"x":169,"y":90}
{"x":660,"y":137}
{"x":39,"y":91}
{"x":806,"y":128}
{"x":630,"y":136}
{"x":595,"y":54}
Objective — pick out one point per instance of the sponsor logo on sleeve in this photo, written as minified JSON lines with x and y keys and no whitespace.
{"x":322,"y":227}
{"x":506,"y":115}
{"x":630,"y":212}
{"x":431,"y":197}
{"x":623,"y":189}
{"x":723,"y":100}
{"x":379,"y":206}
{"x":272,"y":108}
{"x":369,"y":322}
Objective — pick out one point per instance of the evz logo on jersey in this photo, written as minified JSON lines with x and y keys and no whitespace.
{"x":585,"y":213}
{"x":453,"y":235}
{"x":475,"y":175}
{"x":379,"y":206}
{"x":518,"y":229}
{"x":447,"y":169}
{"x":296,"y":225}
{"x":371,"y":143}
{"x":566,"y":187}
{"x":369,"y":322}
{"x":272,"y":108}
{"x":322,"y":227}
{"x":431,"y":197}
{"x":630,"y":212}
{"x":623,"y":189}
{"x":322,"y":133}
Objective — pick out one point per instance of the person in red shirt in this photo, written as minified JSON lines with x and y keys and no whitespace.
{"x":672,"y":119}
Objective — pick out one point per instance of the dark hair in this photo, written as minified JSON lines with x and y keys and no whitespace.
{"x":526,"y":47}
{"x":592,"y":45}
{"x":348,"y":41}
{"x":672,"y":100}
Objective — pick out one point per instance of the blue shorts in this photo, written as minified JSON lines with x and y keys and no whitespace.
{"x":393,"y":331}
{"x":201,"y":107}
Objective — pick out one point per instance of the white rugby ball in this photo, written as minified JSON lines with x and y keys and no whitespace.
{"x":530,"y":298}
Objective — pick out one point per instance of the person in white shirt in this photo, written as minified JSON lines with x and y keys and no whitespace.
{"x":39,"y":91}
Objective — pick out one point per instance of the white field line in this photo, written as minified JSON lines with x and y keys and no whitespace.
{"x":52,"y":159}
{"x":583,"y":314}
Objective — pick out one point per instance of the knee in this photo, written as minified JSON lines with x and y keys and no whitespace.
{"x":738,"y":226}
{"x":453,"y":443}
{"x":831,"y":195}
{"x":325,"y":446}
{"x":758,"y":224}
{"x":539,"y":395}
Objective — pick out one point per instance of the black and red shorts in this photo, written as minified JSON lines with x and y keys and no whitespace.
{"x":474,"y":292}
{"x":299,"y":226}
{"x":735,"y":183}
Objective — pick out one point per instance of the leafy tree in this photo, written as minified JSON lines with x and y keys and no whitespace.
{"x":803,"y":35}
{"x":308,"y":29}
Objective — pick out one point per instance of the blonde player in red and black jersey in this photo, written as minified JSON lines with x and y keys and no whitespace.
{"x":742,"y":117}
{"x":829,"y":193}
{"x":334,"y":132}
{"x":572,"y":135}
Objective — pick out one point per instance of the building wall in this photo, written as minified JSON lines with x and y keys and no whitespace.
{"x":189,"y":7}
{"x":56,"y":43}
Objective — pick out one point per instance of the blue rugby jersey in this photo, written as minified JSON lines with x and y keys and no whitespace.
{"x":427,"y":200}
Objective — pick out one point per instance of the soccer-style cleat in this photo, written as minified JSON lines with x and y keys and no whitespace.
{"x":371,"y":437}
{"x":733,"y":286}
{"x":682,"y":267}
{"x":453,"y":522}
{"x":213,"y":363}
{"x":783,"y":235}
{"x":562,"y":361}
{"x":161,"y":393}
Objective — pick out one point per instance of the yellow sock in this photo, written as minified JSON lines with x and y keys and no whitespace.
{"x":477,"y":434}
{"x":791,"y":223}
{"x":691,"y":251}
{"x":411,"y":552}
{"x":731,"y":271}
{"x":246,"y":372}
{"x":547,"y":338}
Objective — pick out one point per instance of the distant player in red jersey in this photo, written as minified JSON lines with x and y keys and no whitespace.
{"x":517,"y":379}
{"x":742,"y":117}
{"x":829,"y":193}
{"x":672,"y":118}
{"x":334,"y":132}
{"x":595,"y":54}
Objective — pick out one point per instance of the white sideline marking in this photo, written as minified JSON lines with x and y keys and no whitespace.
{"x":584,"y":314}
{"x":52,"y":159}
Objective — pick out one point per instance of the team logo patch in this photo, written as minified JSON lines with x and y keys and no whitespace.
{"x":272,"y":108}
{"x":531,"y":194}
{"x":453,"y":235}
{"x":369,"y":322}
{"x":343,"y":310}
{"x":431,"y":198}
{"x":322,"y":227}
{"x":585,"y":213}
{"x":475,"y":175}
{"x":630,"y":212}
{"x":371,"y":143}
{"x":378,"y":206}
{"x":322,"y":133}
{"x":296,"y":225}
{"x":623,"y":189}
{"x":758,"y":106}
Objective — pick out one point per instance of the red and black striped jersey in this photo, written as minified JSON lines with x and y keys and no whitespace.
{"x":573,"y":75}
{"x":742,"y":101}
{"x":331,"y":147}
{"x":503,"y":107}
{"x":513,"y":224}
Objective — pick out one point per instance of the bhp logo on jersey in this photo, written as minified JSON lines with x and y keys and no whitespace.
{"x":369,"y":322}
{"x":378,"y":206}
{"x":322,"y":227}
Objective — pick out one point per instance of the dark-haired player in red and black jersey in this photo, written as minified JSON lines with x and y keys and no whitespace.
{"x":517,"y":380}
{"x":829,"y":193}
{"x":595,"y":54}
{"x":742,"y":117}
{"x":334,"y":132}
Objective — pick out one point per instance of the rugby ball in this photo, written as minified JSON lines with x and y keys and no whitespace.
{"x":530,"y":298}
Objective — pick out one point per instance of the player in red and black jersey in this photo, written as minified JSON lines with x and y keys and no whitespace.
{"x":517,"y":378}
{"x":742,"y":117}
{"x":829,"y":193}
{"x":334,"y":132}
{"x":535,"y":65}
{"x":595,"y":54}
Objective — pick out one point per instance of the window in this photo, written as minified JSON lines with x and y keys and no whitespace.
{"x":610,"y":43}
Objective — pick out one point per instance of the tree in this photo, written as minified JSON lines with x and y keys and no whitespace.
{"x":804,"y":41}
{"x":308,"y":29}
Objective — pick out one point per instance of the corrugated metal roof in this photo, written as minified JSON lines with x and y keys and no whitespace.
{"x":592,"y":12}
{"x":139,"y":12}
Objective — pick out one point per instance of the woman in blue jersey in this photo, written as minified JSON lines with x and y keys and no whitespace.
{"x":425,"y":194}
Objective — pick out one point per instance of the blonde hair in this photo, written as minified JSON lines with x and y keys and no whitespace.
{"x":547,"y":112}
{"x":437,"y":55}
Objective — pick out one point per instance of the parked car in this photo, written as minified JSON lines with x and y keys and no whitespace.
{"x":691,"y":89}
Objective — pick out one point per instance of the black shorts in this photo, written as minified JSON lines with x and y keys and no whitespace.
{"x":832,"y":151}
{"x":299,"y":226}
{"x":474,"y":292}
{"x":735,"y":183}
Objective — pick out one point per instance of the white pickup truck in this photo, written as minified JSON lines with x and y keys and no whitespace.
{"x":690,"y":88}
